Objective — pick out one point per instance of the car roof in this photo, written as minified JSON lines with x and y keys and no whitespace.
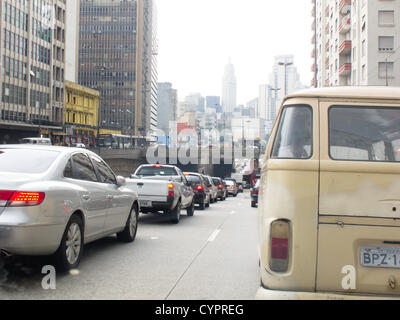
{"x":161,"y":165}
{"x":353,"y":92}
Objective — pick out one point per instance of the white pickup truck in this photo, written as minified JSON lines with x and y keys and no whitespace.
{"x":162,"y":188}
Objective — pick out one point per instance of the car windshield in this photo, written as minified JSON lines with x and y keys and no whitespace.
{"x":193,"y":180}
{"x":15,"y":160}
{"x":156,"y":171}
{"x":216,"y":181}
{"x":229,"y":183}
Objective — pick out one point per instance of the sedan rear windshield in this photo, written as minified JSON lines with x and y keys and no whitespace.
{"x":193,"y":179}
{"x":216,"y":181}
{"x":29,"y":161}
{"x":156,"y":171}
{"x":230,"y":182}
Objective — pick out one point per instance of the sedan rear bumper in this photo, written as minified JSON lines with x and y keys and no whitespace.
{"x":266,"y":294}
{"x":31,"y":240}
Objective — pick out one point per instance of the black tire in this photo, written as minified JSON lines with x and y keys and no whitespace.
{"x":64,"y":262}
{"x":208,"y":203}
{"x":129,"y":233}
{"x":253,"y":204}
{"x":202,"y":206}
{"x":190,"y":210}
{"x":176,"y":213}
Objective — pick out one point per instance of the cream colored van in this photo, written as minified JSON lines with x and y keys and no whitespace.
{"x":329,"y":203}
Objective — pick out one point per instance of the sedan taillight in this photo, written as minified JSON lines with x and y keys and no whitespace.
{"x":20,"y":198}
{"x":279,"y":257}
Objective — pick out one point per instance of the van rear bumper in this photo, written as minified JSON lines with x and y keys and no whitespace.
{"x":266,"y":294}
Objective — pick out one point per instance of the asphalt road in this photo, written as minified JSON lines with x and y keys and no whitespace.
{"x":211,"y":256}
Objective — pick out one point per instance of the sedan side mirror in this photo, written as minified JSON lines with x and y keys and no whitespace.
{"x":133,"y":176}
{"x":121,"y":181}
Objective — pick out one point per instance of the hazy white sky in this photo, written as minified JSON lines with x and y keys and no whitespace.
{"x":197,"y":38}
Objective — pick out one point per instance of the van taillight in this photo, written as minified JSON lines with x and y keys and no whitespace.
{"x":280,"y":235}
{"x":20,"y":198}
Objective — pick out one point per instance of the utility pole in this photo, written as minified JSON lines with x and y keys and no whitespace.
{"x":387,"y":79}
{"x":315,"y":45}
{"x":285,"y":64}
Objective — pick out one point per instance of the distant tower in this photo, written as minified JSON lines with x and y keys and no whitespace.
{"x":229,"y":87}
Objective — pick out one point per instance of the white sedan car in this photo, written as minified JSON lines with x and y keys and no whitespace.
{"x":54,"y":200}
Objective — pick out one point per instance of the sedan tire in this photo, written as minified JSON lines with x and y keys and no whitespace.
{"x":129,"y":233}
{"x":68,"y":255}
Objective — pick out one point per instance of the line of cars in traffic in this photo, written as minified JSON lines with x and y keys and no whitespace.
{"x":166,"y":189}
{"x":55,"y":200}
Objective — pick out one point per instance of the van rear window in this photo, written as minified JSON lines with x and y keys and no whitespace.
{"x":364,"y":133}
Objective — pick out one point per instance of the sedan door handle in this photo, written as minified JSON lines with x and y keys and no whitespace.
{"x":86,"y":197}
{"x":110,"y":197}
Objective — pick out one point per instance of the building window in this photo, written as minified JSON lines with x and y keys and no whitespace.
{"x":386,"y":18}
{"x":386,"y":70}
{"x":386,"y":43}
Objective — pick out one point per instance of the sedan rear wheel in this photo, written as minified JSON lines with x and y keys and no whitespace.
{"x":70,"y":251}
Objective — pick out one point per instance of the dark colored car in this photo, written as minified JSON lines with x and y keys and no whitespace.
{"x":202,"y":195}
{"x":221,"y":188}
{"x":254,"y":194}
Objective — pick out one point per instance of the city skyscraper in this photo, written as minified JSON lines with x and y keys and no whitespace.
{"x":167,"y":106}
{"x":72,"y":39}
{"x":118,"y":49}
{"x":229,"y":89}
{"x":32,"y":82}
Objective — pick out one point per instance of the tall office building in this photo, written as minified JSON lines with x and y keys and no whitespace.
{"x":167,"y":106}
{"x":33,"y":68}
{"x":355,"y":42}
{"x":118,"y":47}
{"x":229,"y":89}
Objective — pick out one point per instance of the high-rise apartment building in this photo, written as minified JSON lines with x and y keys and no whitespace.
{"x":229,"y":89}
{"x":118,"y":49}
{"x":356,"y":42}
{"x":33,"y":68}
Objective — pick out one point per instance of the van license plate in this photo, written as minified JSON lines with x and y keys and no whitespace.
{"x":145,"y":204}
{"x":380,"y":257}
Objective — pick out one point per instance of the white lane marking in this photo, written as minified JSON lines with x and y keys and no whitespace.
{"x":154,"y":238}
{"x":214,"y":235}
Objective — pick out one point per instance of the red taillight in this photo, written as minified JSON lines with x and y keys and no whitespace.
{"x":232,"y":188}
{"x":171,"y":192}
{"x":279,"y":257}
{"x":220,"y":187}
{"x":20,"y":198}
{"x":200,"y":188}
{"x":157,"y":166}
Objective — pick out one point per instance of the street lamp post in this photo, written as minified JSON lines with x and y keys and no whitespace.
{"x":285,"y":64}
{"x":276,"y":98}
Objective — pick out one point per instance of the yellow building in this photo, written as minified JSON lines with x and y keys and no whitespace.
{"x":81,"y":114}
